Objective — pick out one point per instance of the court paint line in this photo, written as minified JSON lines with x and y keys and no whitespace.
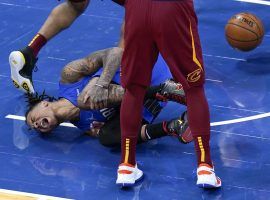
{"x":8,"y":4}
{"x":237,"y":160}
{"x":241,"y":109}
{"x":225,"y":57}
{"x":248,"y":188}
{"x":45,"y":9}
{"x":24,"y":6}
{"x":39,"y":81}
{"x":226,"y":122}
{"x":213,"y":80}
{"x":22,"y":118}
{"x":243,"y":119}
{"x":188,"y":153}
{"x":55,"y":58}
{"x":45,"y":82}
{"x":172,"y":177}
{"x":242,"y":135}
{"x":20,"y":37}
{"x":11,"y":194}
{"x":225,"y":158}
{"x":54,"y":160}
{"x":262,"y":2}
{"x":104,"y":17}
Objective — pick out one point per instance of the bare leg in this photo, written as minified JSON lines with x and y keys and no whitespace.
{"x":22,"y":62}
{"x":61,"y":17}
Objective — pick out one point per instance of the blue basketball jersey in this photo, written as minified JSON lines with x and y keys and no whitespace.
{"x":71,"y":92}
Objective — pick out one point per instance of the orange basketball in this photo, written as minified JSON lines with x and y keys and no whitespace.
{"x":244,"y":31}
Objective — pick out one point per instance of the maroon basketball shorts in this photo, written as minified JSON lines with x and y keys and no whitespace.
{"x":166,"y":27}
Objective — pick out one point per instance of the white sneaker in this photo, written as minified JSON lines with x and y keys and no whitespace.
{"x":22,"y":64}
{"x":128,"y":175}
{"x":206,"y":177}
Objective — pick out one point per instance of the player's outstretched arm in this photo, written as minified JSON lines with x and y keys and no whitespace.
{"x":76,"y":70}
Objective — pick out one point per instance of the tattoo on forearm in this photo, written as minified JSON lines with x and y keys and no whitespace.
{"x":74,"y":71}
{"x":77,"y":69}
{"x":111,"y":62}
{"x":109,"y":58}
{"x":115,"y":96}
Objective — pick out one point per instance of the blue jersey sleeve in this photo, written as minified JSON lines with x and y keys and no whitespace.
{"x":71,"y":91}
{"x":161,"y":72}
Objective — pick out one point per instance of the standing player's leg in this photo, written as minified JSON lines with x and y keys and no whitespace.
{"x":179,"y":45}
{"x":22,"y":62}
{"x":139,"y":57}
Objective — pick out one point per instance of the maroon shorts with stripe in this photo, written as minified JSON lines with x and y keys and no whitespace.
{"x":166,"y":27}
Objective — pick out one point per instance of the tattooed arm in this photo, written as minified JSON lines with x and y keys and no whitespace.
{"x":111,"y":62}
{"x":96,"y":95}
{"x":121,"y":43}
{"x":76,"y":70}
{"x":114,"y":97}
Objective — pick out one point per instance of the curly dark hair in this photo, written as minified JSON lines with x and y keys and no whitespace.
{"x":33,"y":99}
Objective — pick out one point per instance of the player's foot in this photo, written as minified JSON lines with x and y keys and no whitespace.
{"x":172,"y":91}
{"x":180,"y":129}
{"x":206,"y":177}
{"x":22,"y":63}
{"x":128,"y":175}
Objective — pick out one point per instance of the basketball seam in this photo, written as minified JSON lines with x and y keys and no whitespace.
{"x":248,"y":15}
{"x":243,"y":40}
{"x":245,"y":29}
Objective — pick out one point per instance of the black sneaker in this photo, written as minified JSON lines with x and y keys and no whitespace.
{"x":180,"y":129}
{"x":22,"y":63}
{"x":172,"y":91}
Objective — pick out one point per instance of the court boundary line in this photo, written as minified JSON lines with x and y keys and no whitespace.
{"x":262,"y":2}
{"x":220,"y":123}
{"x":22,"y":118}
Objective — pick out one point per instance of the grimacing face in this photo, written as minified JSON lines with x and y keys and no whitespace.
{"x":42,"y":118}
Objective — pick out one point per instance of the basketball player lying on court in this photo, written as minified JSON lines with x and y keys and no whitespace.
{"x":100,"y":117}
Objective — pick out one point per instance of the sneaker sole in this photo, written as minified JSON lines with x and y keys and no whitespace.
{"x":16,"y":62}
{"x":126,"y":185}
{"x":207,"y":186}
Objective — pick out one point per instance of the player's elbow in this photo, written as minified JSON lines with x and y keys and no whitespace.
{"x":66,"y":75}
